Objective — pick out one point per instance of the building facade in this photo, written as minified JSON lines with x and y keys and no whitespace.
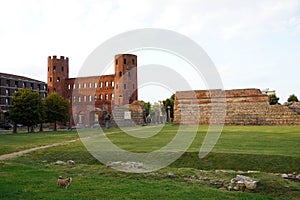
{"x":93,"y":98}
{"x":10,"y":83}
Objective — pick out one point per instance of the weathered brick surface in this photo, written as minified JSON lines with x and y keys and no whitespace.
{"x":137,"y":114}
{"x":242,"y":107}
{"x":92,"y":98}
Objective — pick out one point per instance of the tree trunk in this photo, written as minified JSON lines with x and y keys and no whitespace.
{"x":54,"y":125}
{"x":41,"y":127}
{"x":27,"y":129}
{"x":15,"y":128}
{"x":32,"y":129}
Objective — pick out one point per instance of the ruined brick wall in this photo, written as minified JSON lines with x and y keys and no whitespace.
{"x":243,"y":107}
{"x":137,"y":115}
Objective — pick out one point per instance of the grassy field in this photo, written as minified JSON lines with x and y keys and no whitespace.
{"x":269,"y":150}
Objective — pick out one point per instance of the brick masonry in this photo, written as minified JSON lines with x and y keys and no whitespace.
{"x":93,"y":98}
{"x":241,"y":106}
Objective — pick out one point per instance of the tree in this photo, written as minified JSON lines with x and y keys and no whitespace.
{"x":27,"y":108}
{"x":293,"y":98}
{"x":169,"y":104}
{"x":273,"y":99}
{"x":57,"y":109}
{"x":147,"y":107}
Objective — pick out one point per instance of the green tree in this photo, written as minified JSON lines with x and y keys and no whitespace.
{"x":27,"y":108}
{"x":293,"y":98}
{"x":147,"y":107}
{"x":57,"y":109}
{"x":273,"y":99}
{"x":169,"y":104}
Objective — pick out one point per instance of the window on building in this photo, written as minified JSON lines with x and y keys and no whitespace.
{"x":120,"y":74}
{"x":132,"y":61}
{"x":116,"y":61}
{"x":112,"y":84}
{"x":84,"y":98}
{"x":117,"y":86}
{"x":7,"y":82}
{"x":124,"y":60}
{"x":54,"y":68}
{"x":7,"y":91}
{"x":129,"y":75}
{"x":90,"y":85}
{"x":84,"y":85}
{"x":24,"y":84}
{"x":106,"y":96}
{"x":31,"y":85}
{"x":95,"y":98}
{"x":74,"y":98}
{"x":106,"y":83}
{"x":95,"y":85}
{"x":16,"y":83}
{"x":100,"y":84}
{"x":100,"y":97}
{"x":69,"y":86}
{"x":58,"y":79}
{"x":112,"y":96}
{"x":39,"y":86}
{"x":79,"y":99}
{"x":90,"y":98}
{"x":62,"y":68}
{"x":79,"y":85}
{"x":124,"y":86}
{"x":7,"y":101}
{"x":48,"y":69}
{"x":74,"y":86}
{"x":50,"y":80}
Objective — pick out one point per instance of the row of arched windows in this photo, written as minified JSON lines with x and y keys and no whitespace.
{"x":91,"y":85}
{"x":101,"y":97}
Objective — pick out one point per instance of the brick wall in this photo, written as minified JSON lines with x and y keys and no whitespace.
{"x":242,"y":106}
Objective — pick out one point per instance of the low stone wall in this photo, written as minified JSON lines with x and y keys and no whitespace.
{"x":242,"y":106}
{"x":129,"y":115}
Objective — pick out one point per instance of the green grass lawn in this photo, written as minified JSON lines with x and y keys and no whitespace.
{"x":267,"y":149}
{"x":16,"y":142}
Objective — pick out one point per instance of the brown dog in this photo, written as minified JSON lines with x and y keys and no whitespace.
{"x":64,"y":183}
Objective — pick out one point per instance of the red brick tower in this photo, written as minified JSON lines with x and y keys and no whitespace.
{"x":58,"y":71}
{"x":125,"y":90}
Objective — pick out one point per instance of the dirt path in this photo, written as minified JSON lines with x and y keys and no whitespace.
{"x":20,"y":153}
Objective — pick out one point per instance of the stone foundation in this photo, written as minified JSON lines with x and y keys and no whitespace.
{"x":135,"y":111}
{"x":242,"y":106}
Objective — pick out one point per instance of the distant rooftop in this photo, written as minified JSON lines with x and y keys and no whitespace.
{"x":12,"y":76}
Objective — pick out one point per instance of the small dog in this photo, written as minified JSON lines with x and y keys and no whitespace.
{"x":64,"y":183}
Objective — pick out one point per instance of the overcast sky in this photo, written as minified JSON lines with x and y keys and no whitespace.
{"x":253,"y":44}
